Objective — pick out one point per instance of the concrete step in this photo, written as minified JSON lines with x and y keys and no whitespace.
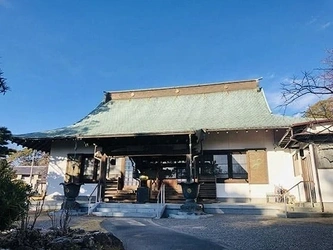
{"x":307,"y":214}
{"x":125,"y":214}
{"x":303,"y":209}
{"x":234,"y":208}
{"x":129,"y":210}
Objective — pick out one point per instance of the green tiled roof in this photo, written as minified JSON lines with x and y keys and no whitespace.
{"x":221,"y":110}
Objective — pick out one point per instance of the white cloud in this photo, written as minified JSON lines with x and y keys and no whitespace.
{"x":276,"y":103}
{"x":311,"y":21}
{"x":318,"y":23}
{"x":325,"y":26}
{"x":302,"y":103}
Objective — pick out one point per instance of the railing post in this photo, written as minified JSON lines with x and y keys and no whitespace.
{"x":297,"y":185}
{"x":310,"y":189}
{"x":285,"y":204}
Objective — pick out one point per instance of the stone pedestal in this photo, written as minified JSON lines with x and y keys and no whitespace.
{"x":71,"y":191}
{"x":191,"y":192}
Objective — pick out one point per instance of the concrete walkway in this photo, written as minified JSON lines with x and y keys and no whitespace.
{"x":142,"y":234}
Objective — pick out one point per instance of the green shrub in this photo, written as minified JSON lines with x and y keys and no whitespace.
{"x":14,"y":197}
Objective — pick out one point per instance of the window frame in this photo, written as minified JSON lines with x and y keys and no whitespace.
{"x":229,"y":153}
{"x":231,"y":177}
{"x":81,"y":158}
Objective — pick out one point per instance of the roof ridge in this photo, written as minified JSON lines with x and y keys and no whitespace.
{"x":183,"y":90}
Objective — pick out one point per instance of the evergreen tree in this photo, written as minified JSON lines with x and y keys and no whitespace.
{"x":3,"y":83}
{"x":14,"y":194}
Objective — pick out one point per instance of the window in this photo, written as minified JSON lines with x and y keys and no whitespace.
{"x":239,"y":165}
{"x":81,"y":168}
{"x":296,"y":164}
{"x":88,"y":168}
{"x":221,"y":167}
{"x":224,"y":165}
{"x":181,"y":173}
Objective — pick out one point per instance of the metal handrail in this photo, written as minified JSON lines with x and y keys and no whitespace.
{"x":287,"y":193}
{"x":90,"y":197}
{"x":161,"y":201}
{"x":161,"y":194}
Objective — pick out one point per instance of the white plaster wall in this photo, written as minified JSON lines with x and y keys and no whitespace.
{"x":326,"y":182}
{"x":58,"y":164}
{"x":232,"y":190}
{"x":281,"y":172}
{"x":279,"y":161}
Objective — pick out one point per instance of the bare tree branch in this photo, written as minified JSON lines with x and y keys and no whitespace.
{"x":318,"y":82}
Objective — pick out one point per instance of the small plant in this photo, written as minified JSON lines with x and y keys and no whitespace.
{"x":65,"y":218}
{"x":53,"y":217}
{"x":38,"y":211}
{"x":60,"y":220}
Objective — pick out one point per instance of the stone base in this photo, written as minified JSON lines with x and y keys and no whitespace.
{"x":191,"y":207}
{"x":70,"y":205}
{"x":186,"y":215}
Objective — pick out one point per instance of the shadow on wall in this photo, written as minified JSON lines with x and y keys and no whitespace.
{"x":326,"y":180}
{"x":53,"y":184}
{"x":54,"y":164}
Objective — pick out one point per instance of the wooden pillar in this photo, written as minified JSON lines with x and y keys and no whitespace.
{"x":189,"y":177}
{"x":102,"y":176}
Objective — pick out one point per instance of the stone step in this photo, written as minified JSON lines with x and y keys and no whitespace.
{"x":129,"y":205}
{"x":225,"y":208}
{"x":307,"y":215}
{"x":128,"y":210}
{"x":125,"y":214}
{"x":303,"y":209}
{"x":306,"y":207}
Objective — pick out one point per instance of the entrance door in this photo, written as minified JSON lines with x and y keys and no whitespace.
{"x":309,"y":189}
{"x":206,"y":175}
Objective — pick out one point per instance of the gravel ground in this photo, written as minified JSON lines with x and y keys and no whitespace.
{"x":257,"y":232}
{"x":88,"y":223}
{"x":236,"y":231}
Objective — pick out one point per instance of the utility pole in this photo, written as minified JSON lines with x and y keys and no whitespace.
{"x":32,"y":165}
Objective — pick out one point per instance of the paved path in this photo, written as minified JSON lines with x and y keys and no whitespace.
{"x":142,"y":234}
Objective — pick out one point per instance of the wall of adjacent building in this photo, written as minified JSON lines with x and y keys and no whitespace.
{"x":33,"y":181}
{"x":326,"y":180}
{"x":324,"y":168}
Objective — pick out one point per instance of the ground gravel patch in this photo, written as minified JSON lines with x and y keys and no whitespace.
{"x":257,"y":232}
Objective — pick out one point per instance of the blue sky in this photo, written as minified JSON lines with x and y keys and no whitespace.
{"x":59,"y":56}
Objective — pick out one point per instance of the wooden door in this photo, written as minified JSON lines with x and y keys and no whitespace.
{"x":309,"y":188}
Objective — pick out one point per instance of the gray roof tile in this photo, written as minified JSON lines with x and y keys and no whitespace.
{"x":221,"y":110}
